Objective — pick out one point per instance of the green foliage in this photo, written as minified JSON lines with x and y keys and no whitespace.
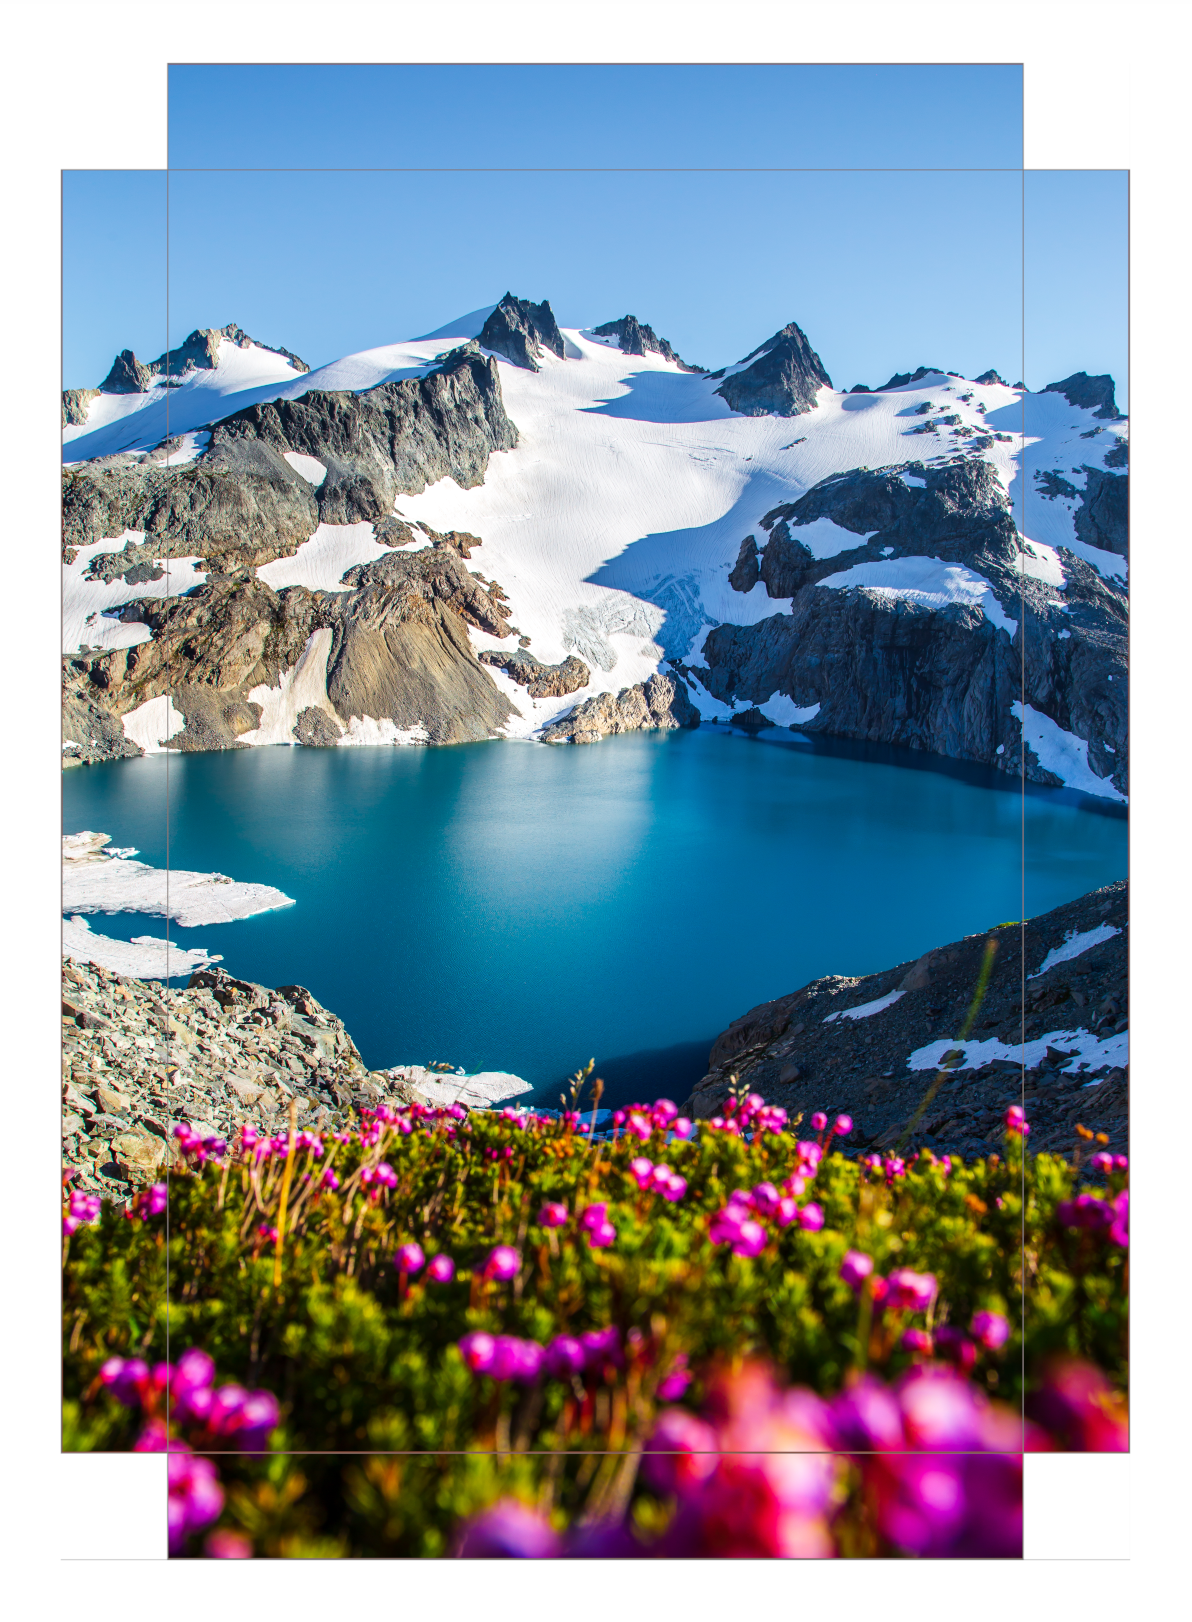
{"x":366,"y":1362}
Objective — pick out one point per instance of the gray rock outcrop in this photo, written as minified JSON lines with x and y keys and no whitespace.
{"x":636,"y":338}
{"x":942,"y":679}
{"x":540,"y":681}
{"x":1103,"y":517}
{"x":520,"y":330}
{"x":659,"y":704}
{"x":127,"y":376}
{"x":75,"y":405}
{"x":803,"y":1051}
{"x":1093,"y":394}
{"x":782,"y":380}
{"x":901,"y":379}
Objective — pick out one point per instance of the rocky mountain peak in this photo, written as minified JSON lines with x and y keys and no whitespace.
{"x":518,"y":330}
{"x":782,"y":381}
{"x":127,"y":376}
{"x":1087,"y":392}
{"x":901,"y":379}
{"x":199,"y":352}
{"x":991,"y":377}
{"x":636,"y":338}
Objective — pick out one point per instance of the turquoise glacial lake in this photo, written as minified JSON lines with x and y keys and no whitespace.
{"x":506,"y":906}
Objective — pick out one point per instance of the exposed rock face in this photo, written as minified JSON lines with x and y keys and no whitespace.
{"x":391,"y":440}
{"x":75,"y":403}
{"x":991,"y":377}
{"x":518,"y":330}
{"x":90,"y":731}
{"x":399,"y":652}
{"x":127,"y":376}
{"x":782,"y":381}
{"x":541,"y":681}
{"x":940,"y":679}
{"x":1119,"y":456}
{"x":901,"y":379}
{"x":316,"y":729}
{"x":804,"y":1052}
{"x":241,"y":503}
{"x":1103,"y":517}
{"x":138,"y":1058}
{"x":1088,"y":393}
{"x":636,"y":338}
{"x":659,"y":704}
{"x":201,"y":351}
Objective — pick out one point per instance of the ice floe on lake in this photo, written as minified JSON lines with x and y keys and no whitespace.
{"x":444,"y":1088}
{"x":146,"y":957}
{"x":92,"y":883}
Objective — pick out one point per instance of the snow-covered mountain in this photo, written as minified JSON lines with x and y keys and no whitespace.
{"x":258,"y":554}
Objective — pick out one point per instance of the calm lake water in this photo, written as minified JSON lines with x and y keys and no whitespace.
{"x":506,"y":906}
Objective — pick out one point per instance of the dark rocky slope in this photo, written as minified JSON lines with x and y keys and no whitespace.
{"x":656,"y":705}
{"x":940,"y":679}
{"x":634,"y":337}
{"x":799,"y":1050}
{"x":1093,"y":394}
{"x":782,"y":381}
{"x":520,"y":330}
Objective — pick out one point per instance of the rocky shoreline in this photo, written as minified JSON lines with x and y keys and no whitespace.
{"x":1057,"y":998}
{"x":139,"y":1058}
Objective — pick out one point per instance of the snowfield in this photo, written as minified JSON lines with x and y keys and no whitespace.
{"x":614,"y":524}
{"x":89,"y":607}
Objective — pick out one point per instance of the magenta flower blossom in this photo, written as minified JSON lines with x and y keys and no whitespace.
{"x":842,"y":1125}
{"x":601,"y":1235}
{"x":765,"y":1198}
{"x":1102,"y":1162}
{"x":990,"y":1330}
{"x":787,"y":1211}
{"x":441,"y":1270}
{"x":681,"y":1452}
{"x":195,"y":1371}
{"x":329,"y":1180}
{"x":595,"y":1215}
{"x":736,"y":1228}
{"x":641,"y":1170}
{"x":866,"y":1416}
{"x":227,"y":1545}
{"x":811,"y":1217}
{"x":503,"y":1263}
{"x":1120,"y":1162}
{"x":552,"y":1216}
{"x":856,"y":1268}
{"x":1016,"y":1121}
{"x":916,"y":1340}
{"x":819,"y":1121}
{"x":602,"y":1349}
{"x":509,"y":1531}
{"x":909,"y":1291}
{"x":409,"y":1258}
{"x":674,"y":1383}
{"x":1086,"y":1211}
{"x":477,"y":1349}
{"x":565,"y":1356}
{"x":673,"y":1188}
{"x":955,"y":1345}
{"x":683,"y":1128}
{"x":664,"y":1112}
{"x":195,"y":1497}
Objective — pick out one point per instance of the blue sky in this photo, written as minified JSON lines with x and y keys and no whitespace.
{"x":885,"y":270}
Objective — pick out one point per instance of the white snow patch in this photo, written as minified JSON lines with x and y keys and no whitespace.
{"x":779,"y":707}
{"x":320,"y":563}
{"x":1062,"y":753}
{"x":1109,"y":565}
{"x":1075,"y":942}
{"x":368,"y":733}
{"x":152,"y":724}
{"x":912,"y":481}
{"x":100,"y":885}
{"x":928,"y":581}
{"x":866,"y":1009}
{"x":1060,"y":635}
{"x":478,"y":1091}
{"x":1113,"y":1050}
{"x":148,"y":957}
{"x":1041,"y":563}
{"x":89,"y":606}
{"x":311,"y":469}
{"x":824,"y":539}
{"x":303,"y":687}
